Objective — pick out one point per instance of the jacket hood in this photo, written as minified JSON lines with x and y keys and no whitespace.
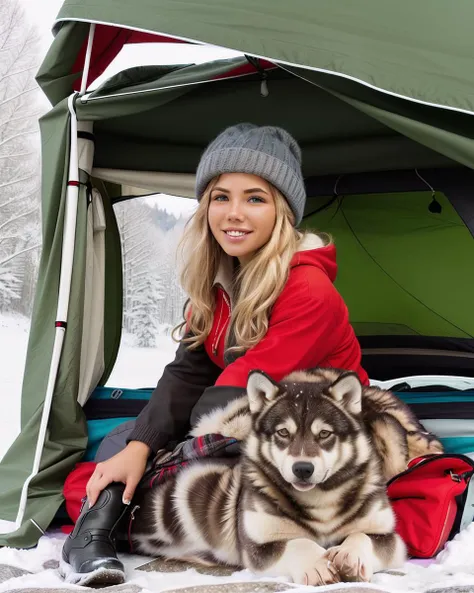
{"x":313,"y":251}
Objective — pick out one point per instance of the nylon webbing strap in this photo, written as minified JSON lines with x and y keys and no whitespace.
{"x":86,"y":135}
{"x":468,"y":512}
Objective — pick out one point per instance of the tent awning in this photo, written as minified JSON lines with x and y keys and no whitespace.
{"x":422,"y":51}
{"x":162,"y":118}
{"x":142,"y":183}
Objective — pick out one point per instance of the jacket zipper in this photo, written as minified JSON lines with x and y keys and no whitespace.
{"x":219,"y":332}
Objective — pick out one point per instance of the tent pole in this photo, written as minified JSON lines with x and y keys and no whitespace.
{"x":67,"y":256}
{"x":87,"y":60}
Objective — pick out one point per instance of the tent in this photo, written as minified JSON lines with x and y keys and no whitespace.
{"x":380,"y":96}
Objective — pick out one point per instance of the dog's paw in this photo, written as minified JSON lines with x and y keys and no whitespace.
{"x":321,"y":572}
{"x":349,"y":564}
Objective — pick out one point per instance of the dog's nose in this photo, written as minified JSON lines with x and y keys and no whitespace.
{"x":303,"y":470}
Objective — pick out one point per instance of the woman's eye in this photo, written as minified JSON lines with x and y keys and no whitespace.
{"x":256,"y":200}
{"x":325,"y":434}
{"x":283,"y":432}
{"x":220,"y":198}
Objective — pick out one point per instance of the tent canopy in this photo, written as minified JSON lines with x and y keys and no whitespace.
{"x":166,"y":129}
{"x":419,"y":50}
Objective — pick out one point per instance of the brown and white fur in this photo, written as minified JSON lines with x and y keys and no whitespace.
{"x":395,"y":431}
{"x":307,"y":498}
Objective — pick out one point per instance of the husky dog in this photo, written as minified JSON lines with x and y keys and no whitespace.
{"x":395,"y":432}
{"x":306,"y":500}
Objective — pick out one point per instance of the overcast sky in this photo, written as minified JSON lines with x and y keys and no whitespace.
{"x":42,"y":14}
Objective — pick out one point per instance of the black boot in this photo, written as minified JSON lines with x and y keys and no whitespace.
{"x":91,"y":545}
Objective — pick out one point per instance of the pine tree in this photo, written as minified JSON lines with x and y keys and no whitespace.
{"x":153,"y":298}
{"x":145,"y":323}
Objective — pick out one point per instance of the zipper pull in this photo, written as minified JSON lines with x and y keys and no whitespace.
{"x":132,"y":514}
{"x":132,"y":519}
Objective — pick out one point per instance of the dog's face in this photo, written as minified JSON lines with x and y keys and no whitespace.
{"x":309,"y":428}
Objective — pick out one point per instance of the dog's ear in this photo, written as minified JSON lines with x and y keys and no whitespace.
{"x":347,"y":390}
{"x":260,"y":389}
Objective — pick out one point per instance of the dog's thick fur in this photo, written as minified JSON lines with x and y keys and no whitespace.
{"x":307,"y":499}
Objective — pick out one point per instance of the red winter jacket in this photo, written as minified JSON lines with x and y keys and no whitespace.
{"x":308,"y":327}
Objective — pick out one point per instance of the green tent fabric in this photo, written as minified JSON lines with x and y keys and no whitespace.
{"x":420,"y":50}
{"x":374,"y":55}
{"x":373,"y":91}
{"x":344,"y":140}
{"x":401,"y":295}
{"x":66,"y":439}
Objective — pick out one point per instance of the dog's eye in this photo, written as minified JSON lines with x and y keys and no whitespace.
{"x":283,"y":432}
{"x":325,"y":434}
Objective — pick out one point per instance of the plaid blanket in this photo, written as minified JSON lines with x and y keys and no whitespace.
{"x":168,"y":463}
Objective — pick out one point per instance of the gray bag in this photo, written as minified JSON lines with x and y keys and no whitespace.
{"x":115,"y":441}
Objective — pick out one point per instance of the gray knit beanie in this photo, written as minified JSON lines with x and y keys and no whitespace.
{"x":267,"y":151}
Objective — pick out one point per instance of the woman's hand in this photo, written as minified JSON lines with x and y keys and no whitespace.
{"x":128,"y":467}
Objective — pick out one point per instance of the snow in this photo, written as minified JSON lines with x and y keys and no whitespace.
{"x":135,"y":368}
{"x":49,"y":548}
{"x":13,"y":342}
{"x":142,"y":367}
{"x":453,"y":568}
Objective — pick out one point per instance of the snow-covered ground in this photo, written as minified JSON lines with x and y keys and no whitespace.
{"x":13,"y":341}
{"x":141,"y":367}
{"x":36,"y":570}
{"x":135,"y":367}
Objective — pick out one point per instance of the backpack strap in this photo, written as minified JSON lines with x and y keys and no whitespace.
{"x":468,"y":512}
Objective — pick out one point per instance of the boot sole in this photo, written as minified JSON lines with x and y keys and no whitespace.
{"x":101,"y":577}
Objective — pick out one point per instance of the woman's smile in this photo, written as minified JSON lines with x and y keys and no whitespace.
{"x":236,"y":235}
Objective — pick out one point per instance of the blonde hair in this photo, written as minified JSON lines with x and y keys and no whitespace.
{"x":256,"y":287}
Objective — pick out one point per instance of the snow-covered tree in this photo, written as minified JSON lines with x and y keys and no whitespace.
{"x":144,"y":314}
{"x":142,"y":284}
{"x":19,"y":154}
{"x":171,"y":307}
{"x":136,"y":234}
{"x":153,"y":298}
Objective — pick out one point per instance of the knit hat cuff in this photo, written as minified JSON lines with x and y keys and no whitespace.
{"x":247,"y":160}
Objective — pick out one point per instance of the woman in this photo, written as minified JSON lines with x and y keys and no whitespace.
{"x":261,"y":296}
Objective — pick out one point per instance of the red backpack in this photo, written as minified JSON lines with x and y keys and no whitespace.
{"x":433,"y":499}
{"x":74,"y":490}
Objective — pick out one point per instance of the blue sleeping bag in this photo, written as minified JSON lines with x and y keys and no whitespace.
{"x":447,"y":412}
{"x":107,"y":408}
